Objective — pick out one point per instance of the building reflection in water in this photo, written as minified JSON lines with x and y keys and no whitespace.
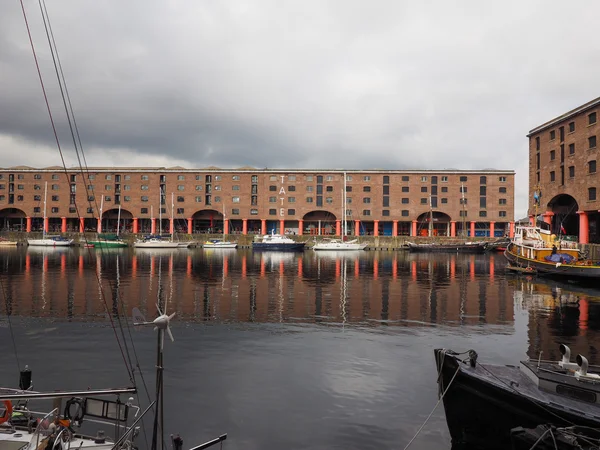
{"x":239,"y":285}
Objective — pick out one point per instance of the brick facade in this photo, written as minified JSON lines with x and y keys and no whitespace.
{"x":563,"y":155}
{"x":379,"y":202}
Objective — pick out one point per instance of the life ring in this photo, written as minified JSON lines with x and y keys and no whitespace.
{"x":8,"y":411}
{"x":79,"y":412}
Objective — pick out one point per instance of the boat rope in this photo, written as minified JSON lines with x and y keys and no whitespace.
{"x":542,"y":437}
{"x":441,"y":397}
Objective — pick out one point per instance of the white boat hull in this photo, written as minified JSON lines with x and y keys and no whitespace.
{"x":156,"y":244}
{"x":339,"y":246}
{"x":49,"y":243}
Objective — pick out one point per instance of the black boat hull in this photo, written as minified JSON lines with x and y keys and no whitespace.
{"x":447,"y":248}
{"x":482,"y":415}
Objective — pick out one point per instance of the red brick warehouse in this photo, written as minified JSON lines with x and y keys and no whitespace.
{"x":249,"y":200}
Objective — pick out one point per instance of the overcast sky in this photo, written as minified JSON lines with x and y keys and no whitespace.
{"x":297,"y":84}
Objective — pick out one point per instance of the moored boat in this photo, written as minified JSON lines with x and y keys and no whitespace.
{"x":7,"y":242}
{"x":458,"y":247}
{"x":218,"y":243}
{"x":485,"y":403}
{"x":538,"y":248}
{"x":108,"y":241}
{"x":339,"y":245}
{"x":155,"y":242}
{"x":276,"y":242}
{"x":50,"y":241}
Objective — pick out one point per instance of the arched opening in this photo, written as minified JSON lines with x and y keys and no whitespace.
{"x":564,"y":220}
{"x":207,"y":221}
{"x":322,"y":223}
{"x":434,"y":223}
{"x":113,"y":221}
{"x":13,"y":219}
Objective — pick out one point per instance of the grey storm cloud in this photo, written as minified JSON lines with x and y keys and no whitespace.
{"x":297,"y":84}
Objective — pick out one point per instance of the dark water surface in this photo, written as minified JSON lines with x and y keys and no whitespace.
{"x":283,"y":351}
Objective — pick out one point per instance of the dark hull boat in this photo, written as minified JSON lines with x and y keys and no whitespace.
{"x":461,"y":247}
{"x":485,"y":404}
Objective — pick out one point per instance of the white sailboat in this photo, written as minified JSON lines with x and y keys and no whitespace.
{"x":341,"y":244}
{"x":157,"y":241}
{"x":220,"y":243}
{"x":49,"y":241}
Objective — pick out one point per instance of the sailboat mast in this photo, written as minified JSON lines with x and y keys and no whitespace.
{"x":464,"y":220}
{"x":172,"y":215}
{"x":44,"y":220}
{"x":101,"y":207}
{"x":430,"y":217}
{"x":345,"y":223}
{"x":160,"y":212}
{"x":223,"y":222}
{"x":119,"y":220}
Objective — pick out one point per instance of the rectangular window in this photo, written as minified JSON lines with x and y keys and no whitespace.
{"x":291,"y":212}
{"x":444,"y":200}
{"x":571,"y":127}
{"x":423,"y":201}
{"x":311,"y":188}
{"x":293,"y":188}
{"x":127,"y":187}
{"x":272,"y":212}
{"x":571,"y":149}
{"x":273,"y":188}
{"x":502,"y":201}
{"x":254,"y":212}
{"x":255,"y":178}
{"x":293,"y":200}
{"x":463,"y":189}
{"x":386,"y":190}
{"x":482,"y":213}
{"x":235,"y":212}
{"x":180,"y":199}
{"x":19,"y":198}
{"x":463,"y":179}
{"x":180,"y":187}
{"x":127,"y":177}
{"x":144,"y":187}
{"x":482,"y":180}
{"x":405,"y":213}
{"x":198,"y":187}
{"x":218,"y":187}
{"x":309,"y":199}
{"x":592,"y":118}
{"x":552,"y":176}
{"x":386,"y":179}
{"x":235,"y":199}
{"x":144,"y":210}
{"x":273,"y":178}
{"x":180,"y":210}
{"x":108,"y":198}
{"x":444,"y":189}
{"x":366,"y":200}
{"x":502,"y":190}
{"x":404,"y":188}
{"x":54,"y":209}
{"x":385,"y":213}
{"x":329,"y":178}
{"x":55,"y":187}
{"x":462,"y":213}
{"x":291,"y":177}
{"x":482,"y":202}
{"x":592,"y":193}
{"x":592,"y":166}
{"x":144,"y":198}
{"x":405,"y":178}
{"x":423,"y":179}
{"x":108,"y":177}
{"x":127,"y":198}
{"x":180,"y":177}
{"x":55,"y":177}
{"x":198,"y":199}
{"x":144,"y":177}
{"x":552,"y":135}
{"x":386,"y":201}
{"x":366,"y":212}
{"x":272,"y":199}
{"x":592,"y":141}
{"x":319,"y":179}
{"x":366,"y":188}
{"x":37,"y":198}
{"x":482,"y":190}
{"x":309,"y":177}
{"x":423,"y":188}
{"x":55,"y":198}
{"x":552,"y":155}
{"x":37,"y":176}
{"x":367,"y":178}
{"x":463,"y":201}
{"x":235,"y":178}
{"x":444,"y":179}
{"x":217,"y":177}
{"x":107,"y":187}
{"x":571,"y":171}
{"x":502,"y":179}
{"x":405,"y":201}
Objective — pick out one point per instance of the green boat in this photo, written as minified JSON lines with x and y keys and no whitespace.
{"x":108,"y":241}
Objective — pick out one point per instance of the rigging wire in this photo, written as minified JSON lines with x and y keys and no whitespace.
{"x":130,"y":373}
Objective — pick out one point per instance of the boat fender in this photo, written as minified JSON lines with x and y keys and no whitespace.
{"x":75,"y":409}
{"x":472,"y":358}
{"x":8,"y":409}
